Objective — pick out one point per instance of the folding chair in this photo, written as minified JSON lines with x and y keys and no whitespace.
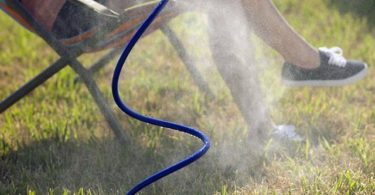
{"x":118,"y":30}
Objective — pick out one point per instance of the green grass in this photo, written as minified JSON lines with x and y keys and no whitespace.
{"x":55,"y":141}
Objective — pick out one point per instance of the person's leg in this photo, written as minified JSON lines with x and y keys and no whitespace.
{"x":233,"y":55}
{"x":304,"y":65}
{"x":268,"y":24}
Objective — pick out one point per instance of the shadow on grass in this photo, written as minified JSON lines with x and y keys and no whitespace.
{"x":106,"y":167}
{"x":361,"y":8}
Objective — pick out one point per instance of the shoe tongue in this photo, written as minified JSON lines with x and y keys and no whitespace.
{"x":332,"y":56}
{"x":324,"y":57}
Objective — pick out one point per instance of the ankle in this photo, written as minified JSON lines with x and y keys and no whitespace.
{"x":307,"y":60}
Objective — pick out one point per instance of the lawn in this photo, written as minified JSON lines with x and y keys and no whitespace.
{"x":55,"y":141}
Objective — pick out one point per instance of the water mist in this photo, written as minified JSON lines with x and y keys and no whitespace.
{"x":234,"y":56}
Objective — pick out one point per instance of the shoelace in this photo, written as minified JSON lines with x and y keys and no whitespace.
{"x":335,"y":56}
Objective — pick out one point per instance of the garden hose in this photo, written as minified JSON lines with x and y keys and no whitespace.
{"x":189,"y":130}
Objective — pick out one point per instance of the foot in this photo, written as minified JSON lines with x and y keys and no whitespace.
{"x":275,"y":137}
{"x":334,"y":70}
{"x":286,"y":133}
{"x":284,"y":139}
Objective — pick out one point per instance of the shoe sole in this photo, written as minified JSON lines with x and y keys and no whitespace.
{"x":328,"y":83}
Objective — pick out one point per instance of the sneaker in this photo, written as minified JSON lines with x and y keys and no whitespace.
{"x":284,"y":139}
{"x":276,"y":137}
{"x":286,"y":133}
{"x":334,"y":70}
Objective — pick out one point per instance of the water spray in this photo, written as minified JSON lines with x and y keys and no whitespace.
{"x":166,"y":124}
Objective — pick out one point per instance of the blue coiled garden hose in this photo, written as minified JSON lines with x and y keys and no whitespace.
{"x":153,"y":178}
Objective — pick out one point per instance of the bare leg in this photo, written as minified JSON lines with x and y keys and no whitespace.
{"x":269,"y":25}
{"x":263,"y":17}
{"x":235,"y":61}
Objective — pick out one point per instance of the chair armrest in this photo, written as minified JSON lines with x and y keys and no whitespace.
{"x":96,"y":7}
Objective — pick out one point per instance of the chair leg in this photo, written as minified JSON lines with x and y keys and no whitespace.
{"x":101,"y":62}
{"x":100,"y":100}
{"x":32,"y":84}
{"x":105,"y":60}
{"x":187,"y":60}
{"x":77,"y":67}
